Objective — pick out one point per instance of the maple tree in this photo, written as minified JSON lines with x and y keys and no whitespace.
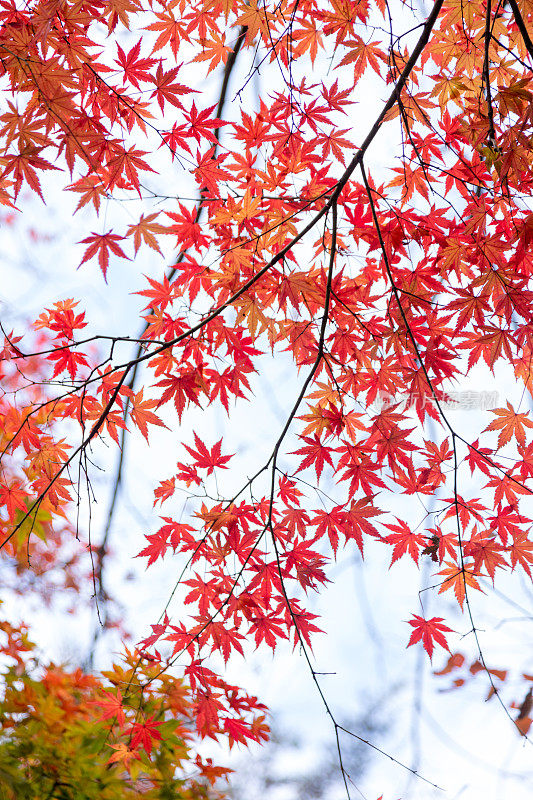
{"x":377,"y":282}
{"x":58,"y":724}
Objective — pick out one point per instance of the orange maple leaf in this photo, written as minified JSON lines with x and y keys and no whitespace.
{"x":510,"y":424}
{"x":142,"y":415}
{"x":144,"y":230}
{"x":459,"y":579}
{"x":122,"y":753}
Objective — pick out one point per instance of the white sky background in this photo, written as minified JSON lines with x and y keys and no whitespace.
{"x":455,"y":739}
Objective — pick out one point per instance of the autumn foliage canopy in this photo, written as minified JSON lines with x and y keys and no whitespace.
{"x":380,"y":240}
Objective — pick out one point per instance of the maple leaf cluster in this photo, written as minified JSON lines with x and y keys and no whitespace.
{"x":377,"y":283}
{"x":56,"y":725}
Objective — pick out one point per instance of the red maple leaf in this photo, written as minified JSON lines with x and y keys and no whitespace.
{"x":111,"y":705}
{"x":405,"y":541}
{"x":429,"y":631}
{"x":167,"y":90}
{"x":205,"y":459}
{"x":144,"y":733}
{"x":67,"y":359}
{"x":101,"y":244}
{"x":315,"y":452}
{"x":135,"y":69}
